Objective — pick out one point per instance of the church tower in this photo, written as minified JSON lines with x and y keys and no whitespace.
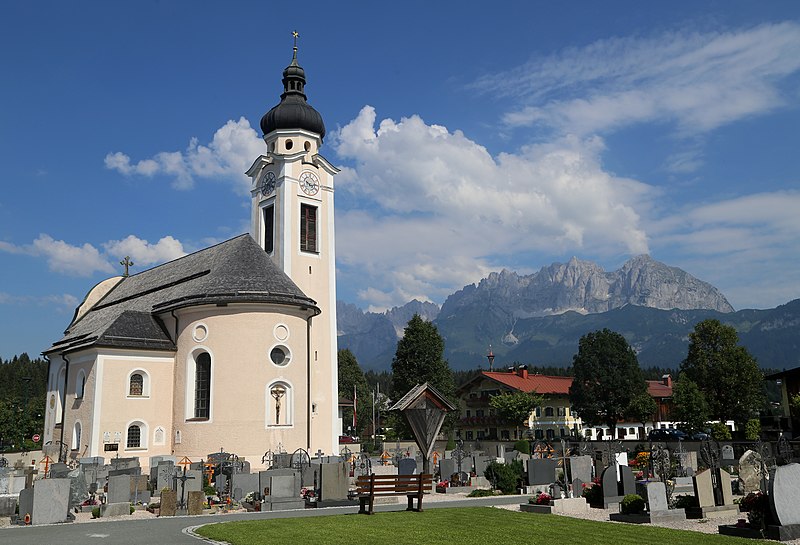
{"x":292,"y":220}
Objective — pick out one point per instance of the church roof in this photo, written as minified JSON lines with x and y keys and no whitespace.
{"x":234,"y":271}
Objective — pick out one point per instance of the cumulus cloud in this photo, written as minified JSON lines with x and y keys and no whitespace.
{"x":234,"y":144}
{"x":86,"y":259}
{"x":443,"y":211}
{"x":144,"y":253}
{"x":699,"y":81}
{"x":62,"y":300}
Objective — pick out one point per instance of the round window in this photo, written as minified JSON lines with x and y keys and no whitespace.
{"x":279,"y":355}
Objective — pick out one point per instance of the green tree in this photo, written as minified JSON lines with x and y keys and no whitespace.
{"x":689,"y":405}
{"x":515,"y":407}
{"x":351,"y":377}
{"x":725,"y":372}
{"x":642,"y":408}
{"x":420,"y":358}
{"x":607,"y":378}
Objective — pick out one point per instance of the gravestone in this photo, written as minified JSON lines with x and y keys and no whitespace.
{"x":132,"y":470}
{"x":58,"y":470}
{"x":334,"y":481}
{"x":541,"y":471}
{"x":656,"y":497}
{"x":5,"y":481}
{"x":726,"y":453}
{"x":220,"y":482}
{"x":195,"y":483}
{"x":47,"y":502}
{"x":580,"y":467}
{"x":627,"y":480}
{"x":749,"y":465}
{"x":407,"y":466}
{"x":165,"y":476}
{"x":244,"y":483}
{"x":703,"y":489}
{"x":611,"y":493}
{"x":783,"y":494}
{"x":683,"y":485}
{"x":281,"y":490}
{"x":194,"y":504}
{"x":481,"y":463}
{"x":169,"y":503}
{"x":447,"y":466}
{"x":725,"y":486}
{"x":119,"y":489}
{"x":8,"y":505}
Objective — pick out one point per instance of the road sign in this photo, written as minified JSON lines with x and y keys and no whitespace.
{"x":36,"y":437}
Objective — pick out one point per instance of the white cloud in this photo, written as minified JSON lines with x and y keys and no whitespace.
{"x":233,"y":148}
{"x":65,"y":258}
{"x":443,"y":212}
{"x":63,"y":300}
{"x":699,"y":81}
{"x":142,"y":252}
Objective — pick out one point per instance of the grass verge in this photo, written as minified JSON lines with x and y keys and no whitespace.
{"x":462,"y":526}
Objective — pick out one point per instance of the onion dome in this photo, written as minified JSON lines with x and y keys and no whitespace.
{"x":293,"y":112}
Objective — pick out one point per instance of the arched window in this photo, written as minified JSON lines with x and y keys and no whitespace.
{"x":202,"y":385}
{"x":136,"y":385}
{"x":134,"y":436}
{"x":80,"y":384}
{"x":279,"y":404}
{"x":76,"y":436}
{"x":61,"y":389}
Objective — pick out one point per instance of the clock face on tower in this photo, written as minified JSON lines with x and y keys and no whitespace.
{"x":268,"y":183}
{"x":309,"y":183}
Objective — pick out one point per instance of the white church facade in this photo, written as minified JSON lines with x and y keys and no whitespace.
{"x":230,"y":348}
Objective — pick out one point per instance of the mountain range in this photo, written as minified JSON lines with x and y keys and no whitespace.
{"x":538,"y":319}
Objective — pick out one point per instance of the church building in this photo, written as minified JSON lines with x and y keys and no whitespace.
{"x":230,"y":348}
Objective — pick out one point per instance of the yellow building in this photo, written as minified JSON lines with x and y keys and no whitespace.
{"x":232,"y":347}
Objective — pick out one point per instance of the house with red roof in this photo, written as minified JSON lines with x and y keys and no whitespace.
{"x":553,"y":419}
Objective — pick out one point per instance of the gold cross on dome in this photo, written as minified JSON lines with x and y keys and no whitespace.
{"x":295,"y":35}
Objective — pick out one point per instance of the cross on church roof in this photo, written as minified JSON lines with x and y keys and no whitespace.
{"x":126,"y":263}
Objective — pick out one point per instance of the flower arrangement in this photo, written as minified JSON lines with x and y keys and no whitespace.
{"x":593,"y":492}
{"x":542,"y":499}
{"x":756,"y":504}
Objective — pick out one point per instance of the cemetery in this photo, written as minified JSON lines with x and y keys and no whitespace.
{"x":742,"y":489}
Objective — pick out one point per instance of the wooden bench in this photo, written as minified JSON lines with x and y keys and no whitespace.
{"x":368,"y":487}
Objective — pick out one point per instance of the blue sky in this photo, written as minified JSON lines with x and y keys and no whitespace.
{"x":472,"y":137}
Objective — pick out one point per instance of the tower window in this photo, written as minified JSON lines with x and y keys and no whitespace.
{"x":202,"y":385}
{"x":136,"y":385}
{"x":308,"y":228}
{"x":134,"y":436}
{"x":269,"y":228}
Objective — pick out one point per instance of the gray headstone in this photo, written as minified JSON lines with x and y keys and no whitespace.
{"x":59,"y":470}
{"x":657,"y":497}
{"x":407,"y":466}
{"x":196,"y":484}
{"x":220,"y":481}
{"x":447,"y":466}
{"x":92,"y":461}
{"x":132,"y":470}
{"x":541,"y":471}
{"x":481,"y":463}
{"x":5,"y":481}
{"x":608,"y":480}
{"x":8,"y":504}
{"x":334,"y":481}
{"x":281,"y":460}
{"x":124,"y":463}
{"x":164,"y":476}
{"x":577,"y":488}
{"x":683,"y":485}
{"x":783,"y":494}
{"x":727,"y":453}
{"x":703,"y":490}
{"x":194,"y":503}
{"x":48,"y":502}
{"x":119,"y":489}
{"x":627,"y":479}
{"x":244,"y":483}
{"x":580,"y":467}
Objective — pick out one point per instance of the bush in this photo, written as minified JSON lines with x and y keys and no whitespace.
{"x":632,"y":504}
{"x":480,"y":493}
{"x":686,"y":500}
{"x":720,"y":432}
{"x":522,"y":446}
{"x":209,"y":490}
{"x":752,"y":429}
{"x":132,"y":509}
{"x":505,"y":477}
{"x":96,"y":513}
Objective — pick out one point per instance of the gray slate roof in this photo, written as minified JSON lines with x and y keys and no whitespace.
{"x":234,"y":271}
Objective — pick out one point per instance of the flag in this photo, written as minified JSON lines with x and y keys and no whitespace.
{"x":355,"y":402}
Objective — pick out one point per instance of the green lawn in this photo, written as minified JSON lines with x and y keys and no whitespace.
{"x":454,"y":526}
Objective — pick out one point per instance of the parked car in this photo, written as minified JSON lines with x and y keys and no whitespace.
{"x":666,"y":435}
{"x":699,"y":436}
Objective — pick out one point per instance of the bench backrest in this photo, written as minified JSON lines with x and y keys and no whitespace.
{"x":399,"y":484}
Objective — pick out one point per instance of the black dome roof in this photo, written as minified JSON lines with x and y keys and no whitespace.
{"x":293,"y":112}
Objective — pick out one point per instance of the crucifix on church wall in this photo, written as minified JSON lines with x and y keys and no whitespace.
{"x":278,"y":392}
